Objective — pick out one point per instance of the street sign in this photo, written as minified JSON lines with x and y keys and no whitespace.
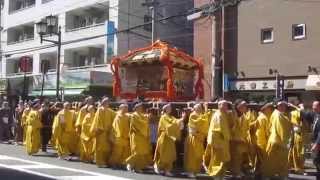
{"x":194,"y":16}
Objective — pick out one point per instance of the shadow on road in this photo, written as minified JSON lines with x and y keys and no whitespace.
{"x":18,"y":175}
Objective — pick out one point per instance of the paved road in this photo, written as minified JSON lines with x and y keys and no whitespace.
{"x":16,"y":164}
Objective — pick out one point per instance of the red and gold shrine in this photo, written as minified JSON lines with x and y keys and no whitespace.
{"x":157,"y":72}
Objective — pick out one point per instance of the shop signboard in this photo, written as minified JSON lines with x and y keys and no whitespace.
{"x":265,"y":85}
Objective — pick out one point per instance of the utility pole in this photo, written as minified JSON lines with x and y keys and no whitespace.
{"x":152,"y":5}
{"x":217,"y":10}
{"x":1,"y":28}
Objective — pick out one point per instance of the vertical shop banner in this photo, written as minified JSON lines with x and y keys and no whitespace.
{"x":226,"y":83}
{"x":110,"y":38}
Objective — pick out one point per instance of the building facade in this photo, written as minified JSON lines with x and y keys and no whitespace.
{"x":262,"y":39}
{"x":85,"y":46}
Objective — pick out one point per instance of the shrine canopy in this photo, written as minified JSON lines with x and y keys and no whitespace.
{"x":157,"y":72}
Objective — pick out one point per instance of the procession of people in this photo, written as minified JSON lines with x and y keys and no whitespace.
{"x":233,"y":139}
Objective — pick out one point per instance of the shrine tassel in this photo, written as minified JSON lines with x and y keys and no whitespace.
{"x":116,"y":79}
{"x":164,"y":57}
{"x":199,"y":85}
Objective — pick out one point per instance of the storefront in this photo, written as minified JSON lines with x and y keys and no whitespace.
{"x":73,"y":85}
{"x":259,"y":90}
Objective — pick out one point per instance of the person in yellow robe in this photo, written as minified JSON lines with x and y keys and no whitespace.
{"x":86,"y":137}
{"x":207,"y":152}
{"x":140,"y":143}
{"x":80,"y":114}
{"x":300,"y":138}
{"x":121,"y":142}
{"x":218,"y":140}
{"x":240,"y":140}
{"x":24,"y":121}
{"x":33,"y":123}
{"x":169,"y":130}
{"x":198,"y":126}
{"x":102,"y":132}
{"x":56,"y":130}
{"x":66,"y":139}
{"x":262,"y":135}
{"x":278,"y":142}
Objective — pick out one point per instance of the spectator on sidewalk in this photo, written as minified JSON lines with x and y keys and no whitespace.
{"x":6,"y":120}
{"x":315,"y":117}
{"x":47,"y":122}
{"x":18,"y":134}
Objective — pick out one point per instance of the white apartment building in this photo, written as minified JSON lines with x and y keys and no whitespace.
{"x":84,"y":60}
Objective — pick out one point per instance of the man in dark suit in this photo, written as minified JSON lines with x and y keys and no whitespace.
{"x":6,"y":118}
{"x":315,"y":117}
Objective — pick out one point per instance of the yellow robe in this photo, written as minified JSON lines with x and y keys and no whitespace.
{"x":33,"y":139}
{"x":168,"y":133}
{"x":251,"y":116}
{"x":24,"y":123}
{"x":219,"y":137}
{"x":262,"y":135}
{"x":80,"y":116}
{"x":195,"y":141}
{"x":66,"y":139}
{"x":86,"y":138}
{"x":140,"y":143}
{"x":240,"y":144}
{"x":207,"y":152}
{"x":102,"y":130}
{"x":296,"y":153}
{"x":121,"y":142}
{"x":277,"y":147}
{"x":56,"y":132}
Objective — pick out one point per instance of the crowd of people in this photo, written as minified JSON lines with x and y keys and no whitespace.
{"x":232,"y":138}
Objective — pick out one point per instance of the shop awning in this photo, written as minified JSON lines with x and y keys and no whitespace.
{"x":53,"y":92}
{"x":313,"y":83}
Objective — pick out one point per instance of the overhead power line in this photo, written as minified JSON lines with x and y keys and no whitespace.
{"x":94,"y":37}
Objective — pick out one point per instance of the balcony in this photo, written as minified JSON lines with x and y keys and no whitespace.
{"x":20,"y":34}
{"x":19,"y":5}
{"x":87,"y":17}
{"x":13,"y":68}
{"x":84,"y":57}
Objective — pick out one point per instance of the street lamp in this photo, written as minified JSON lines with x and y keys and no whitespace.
{"x":49,"y":27}
{"x":42,"y":27}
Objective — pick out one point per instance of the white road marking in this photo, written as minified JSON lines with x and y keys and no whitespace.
{"x":25,"y":169}
{"x":87,"y":177}
{"x":37,"y":166}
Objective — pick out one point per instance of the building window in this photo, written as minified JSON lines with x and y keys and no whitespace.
{"x":17,"y":5}
{"x":298,"y":31}
{"x":267,"y":35}
{"x":20,"y":33}
{"x":86,"y":17}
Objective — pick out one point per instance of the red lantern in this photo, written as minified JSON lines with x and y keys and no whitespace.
{"x":24,"y":63}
